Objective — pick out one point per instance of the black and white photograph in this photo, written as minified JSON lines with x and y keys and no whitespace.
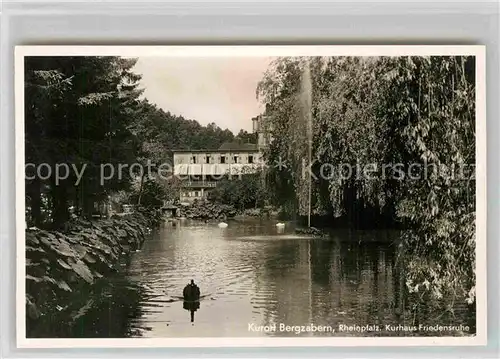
{"x":250,"y":195}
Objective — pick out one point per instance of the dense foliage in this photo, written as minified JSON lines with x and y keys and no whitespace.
{"x":87,"y":112}
{"x":78,"y":110}
{"x":206,"y":210}
{"x":247,"y":191}
{"x":176,"y":133}
{"x":390,"y":118}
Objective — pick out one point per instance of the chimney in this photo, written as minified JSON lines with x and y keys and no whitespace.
{"x":255,"y":124}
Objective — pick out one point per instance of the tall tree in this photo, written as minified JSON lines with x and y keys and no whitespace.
{"x":78,"y":110}
{"x":389,"y":115}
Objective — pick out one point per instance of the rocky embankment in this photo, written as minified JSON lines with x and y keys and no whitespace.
{"x":61,"y":264}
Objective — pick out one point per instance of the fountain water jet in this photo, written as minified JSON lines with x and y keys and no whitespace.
{"x":306,"y":102}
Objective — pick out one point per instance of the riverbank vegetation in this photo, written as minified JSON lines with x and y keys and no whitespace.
{"x":418,"y":112}
{"x":60,"y":264}
{"x":207,"y":210}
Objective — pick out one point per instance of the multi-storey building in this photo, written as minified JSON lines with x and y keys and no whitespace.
{"x":200,"y":170}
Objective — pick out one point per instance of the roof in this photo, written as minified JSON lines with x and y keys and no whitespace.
{"x":236,"y":146}
{"x":226,"y":147}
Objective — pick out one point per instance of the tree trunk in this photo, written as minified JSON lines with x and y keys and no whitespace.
{"x":76,"y":202}
{"x":34,"y":192}
{"x":140,"y":189}
{"x":86,"y":200}
{"x":60,"y":206}
{"x":88,"y":206}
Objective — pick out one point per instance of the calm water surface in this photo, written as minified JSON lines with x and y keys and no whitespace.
{"x":250,"y":273}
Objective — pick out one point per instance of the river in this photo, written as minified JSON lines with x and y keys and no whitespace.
{"x":251,"y":274}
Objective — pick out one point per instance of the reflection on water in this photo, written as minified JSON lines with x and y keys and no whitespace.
{"x":191,"y":307}
{"x":251,"y":273}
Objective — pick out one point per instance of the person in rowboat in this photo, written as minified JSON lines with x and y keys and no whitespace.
{"x":191,"y":292}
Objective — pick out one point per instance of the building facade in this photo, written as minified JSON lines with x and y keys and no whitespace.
{"x":201,"y":170}
{"x":262,"y":127}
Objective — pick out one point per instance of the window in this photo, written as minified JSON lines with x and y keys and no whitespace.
{"x":250,"y":159}
{"x":193,"y":159}
{"x":207,"y":159}
{"x":196,"y":193}
{"x":222,"y":159}
{"x":235,"y":159}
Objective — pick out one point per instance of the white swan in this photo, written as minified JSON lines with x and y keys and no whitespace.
{"x":280,"y":225}
{"x":222,"y":225}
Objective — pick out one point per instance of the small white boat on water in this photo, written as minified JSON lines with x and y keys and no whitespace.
{"x":222,"y":225}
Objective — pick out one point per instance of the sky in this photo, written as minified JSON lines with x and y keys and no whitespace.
{"x":210,"y":89}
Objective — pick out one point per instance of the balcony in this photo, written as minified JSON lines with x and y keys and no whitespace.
{"x":216,"y":169}
{"x":199,"y":184}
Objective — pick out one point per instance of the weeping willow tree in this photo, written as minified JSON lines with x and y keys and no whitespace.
{"x":374,"y":121}
{"x":432,"y":103}
{"x":345,"y":132}
{"x":282,"y":92}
